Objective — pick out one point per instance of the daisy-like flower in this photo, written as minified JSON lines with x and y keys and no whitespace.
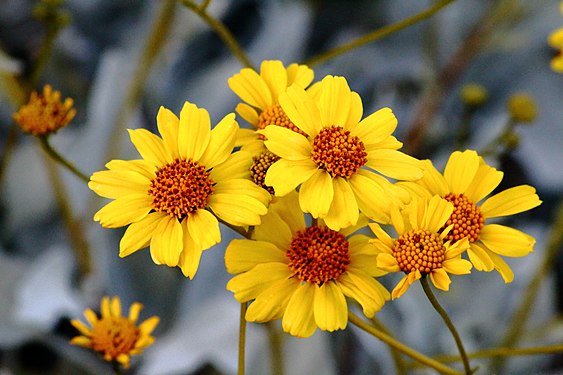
{"x":170,"y":198}
{"x":261,"y":92}
{"x":45,"y":113}
{"x":334,"y":158}
{"x":467,"y":180}
{"x":422,"y":247}
{"x":114,"y":336}
{"x":303,"y":274}
{"x":555,"y":40}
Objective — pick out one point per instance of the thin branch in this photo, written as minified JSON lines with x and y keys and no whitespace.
{"x":242,"y":338}
{"x":44,"y":141}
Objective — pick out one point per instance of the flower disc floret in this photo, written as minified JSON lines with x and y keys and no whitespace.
{"x":467,"y":219}
{"x":419,"y":250}
{"x":113,"y":336}
{"x":260,"y":165}
{"x":338,"y":152}
{"x":275,"y":115}
{"x":318,"y":255}
{"x":180,"y":188}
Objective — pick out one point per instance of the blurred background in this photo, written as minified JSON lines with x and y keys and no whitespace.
{"x":118,"y":70}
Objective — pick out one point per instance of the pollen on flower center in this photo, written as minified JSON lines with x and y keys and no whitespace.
{"x":318,"y":255}
{"x":276,"y":116}
{"x":466,"y":218}
{"x":180,"y":188}
{"x":419,"y":249}
{"x":260,"y":165}
{"x":338,"y":152}
{"x":114,"y":336}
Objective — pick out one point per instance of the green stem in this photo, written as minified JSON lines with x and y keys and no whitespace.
{"x":204,"y":5}
{"x":153,"y":45}
{"x":44,"y":141}
{"x":9,"y":146}
{"x":507,"y":352}
{"x":522,"y":313}
{"x":492,"y":148}
{"x":221,"y":31}
{"x":440,"y":367}
{"x":242,"y":338}
{"x":378,"y":34}
{"x":397,"y":359}
{"x":447,"y":321}
{"x":276,"y":348}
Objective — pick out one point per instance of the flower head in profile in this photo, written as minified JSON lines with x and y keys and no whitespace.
{"x":303,"y":274}
{"x":115,"y":337}
{"x":170,"y":198}
{"x":555,"y":40}
{"x":260,"y":93}
{"x":335,"y":157}
{"x":45,"y":113}
{"x":466,"y":181}
{"x":422,"y":247}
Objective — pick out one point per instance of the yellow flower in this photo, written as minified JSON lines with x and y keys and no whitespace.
{"x":303,"y":274}
{"x":114,"y":336}
{"x":170,"y":198}
{"x":260,"y":92}
{"x":466,"y":180}
{"x":555,"y":40}
{"x":334,"y":162}
{"x":45,"y":114}
{"x":421,"y":248}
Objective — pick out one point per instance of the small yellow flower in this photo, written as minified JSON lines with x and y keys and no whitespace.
{"x":522,"y":107}
{"x":171,"y":197}
{"x":555,"y":40}
{"x":422,"y":248}
{"x":261,"y":92}
{"x":335,"y":158}
{"x":114,"y":336}
{"x":467,"y":180}
{"x":303,"y":274}
{"x":474,"y":95}
{"x":45,"y":114}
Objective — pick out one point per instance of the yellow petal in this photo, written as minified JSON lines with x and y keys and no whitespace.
{"x":315,"y":195}
{"x":237,"y":209}
{"x":382,"y":235}
{"x":355,"y":113}
{"x":457,"y":266}
{"x":91,"y":317}
{"x":502,"y":268}
{"x":394,"y":164}
{"x":194,"y":132}
{"x":275,"y":76}
{"x":168,"y":124}
{"x":251,"y":88}
{"x":344,"y":211}
{"x":138,"y":234}
{"x":105,"y":309}
{"x":286,"y":175}
{"x":432,"y":180}
{"x":436,"y":214}
{"x":243,"y":255}
{"x":85,"y":342}
{"x":367,"y":291}
{"x":301,"y":75}
{"x":167,"y":242}
{"x":486,"y":180}
{"x":506,"y":241}
{"x":272,"y":302}
{"x":124,"y":210}
{"x":335,"y":101}
{"x":376,"y":127}
{"x":289,"y":211}
{"x":81,"y":327}
{"x":134,"y":311}
{"x":440,"y":279}
{"x":511,"y":201}
{"x":249,"y":285}
{"x":371,"y":198}
{"x":203,"y":228}
{"x":191,"y":254}
{"x":239,"y":186}
{"x":221,"y":142}
{"x":401,"y":287}
{"x":237,"y":165}
{"x":286,"y":143}
{"x":480,"y":258}
{"x":299,"y":319}
{"x":330,"y":308}
{"x":387,"y":262}
{"x":460,"y":170}
{"x":150,"y":147}
{"x":141,"y":166}
{"x":116,"y":184}
{"x":115,"y":307}
{"x":149,"y":325}
{"x":249,"y":114}
{"x":273,"y":229}
{"x":299,"y":106}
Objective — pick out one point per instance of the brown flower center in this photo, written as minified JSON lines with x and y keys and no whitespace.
{"x":260,"y":165}
{"x":180,"y":188}
{"x":318,"y":255}
{"x":114,"y":336}
{"x":419,"y":249}
{"x":466,"y":218}
{"x":338,"y":152}
{"x":276,"y":116}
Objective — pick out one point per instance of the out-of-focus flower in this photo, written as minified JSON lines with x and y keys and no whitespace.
{"x":422,"y":248}
{"x":302,"y":274}
{"x":114,"y":336}
{"x":466,"y":180}
{"x":170,"y":198}
{"x":45,"y":113}
{"x":334,"y":158}
{"x":261,"y":92}
{"x":555,"y":40}
{"x":522,"y":107}
{"x":474,"y":95}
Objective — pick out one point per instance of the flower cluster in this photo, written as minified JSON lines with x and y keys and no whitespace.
{"x":555,"y":40}
{"x":311,"y":171}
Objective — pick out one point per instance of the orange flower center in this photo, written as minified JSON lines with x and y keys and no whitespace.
{"x":180,"y":188}
{"x":419,"y":249}
{"x":338,"y":152}
{"x":276,"y":116}
{"x":260,"y":165}
{"x":114,"y":336}
{"x":318,"y":255}
{"x":466,"y":218}
{"x":45,"y":114}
